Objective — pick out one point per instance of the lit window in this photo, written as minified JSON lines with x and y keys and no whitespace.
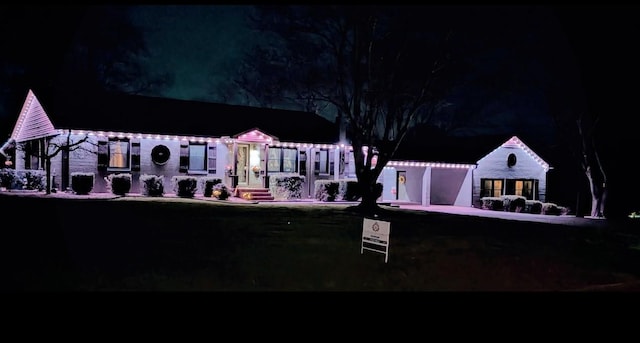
{"x":197,"y":157}
{"x":491,"y":188}
{"x":119,"y":153}
{"x":283,"y":160}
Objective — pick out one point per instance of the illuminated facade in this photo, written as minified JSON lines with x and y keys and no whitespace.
{"x":248,"y":158}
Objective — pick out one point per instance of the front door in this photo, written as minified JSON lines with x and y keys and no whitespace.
{"x":242,"y":164}
{"x":249,"y":164}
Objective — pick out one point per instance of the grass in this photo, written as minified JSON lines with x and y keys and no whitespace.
{"x":173,"y":244}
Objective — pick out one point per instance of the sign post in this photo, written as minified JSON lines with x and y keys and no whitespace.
{"x":375,"y":235}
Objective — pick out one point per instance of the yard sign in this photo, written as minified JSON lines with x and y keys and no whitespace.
{"x":375,"y":233}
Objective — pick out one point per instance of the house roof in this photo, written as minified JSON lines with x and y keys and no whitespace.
{"x":428,"y":144}
{"x":121,"y":112}
{"x":32,"y":122}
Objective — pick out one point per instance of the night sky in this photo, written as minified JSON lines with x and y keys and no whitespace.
{"x":525,"y":57}
{"x":529,"y":62}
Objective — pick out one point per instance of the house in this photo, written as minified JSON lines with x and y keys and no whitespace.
{"x":466,"y":172}
{"x":245,"y":147}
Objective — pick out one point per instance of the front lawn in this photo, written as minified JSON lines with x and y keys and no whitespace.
{"x":173,"y":244}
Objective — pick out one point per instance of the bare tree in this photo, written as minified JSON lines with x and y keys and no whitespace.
{"x":54,"y":147}
{"x":378,"y":67}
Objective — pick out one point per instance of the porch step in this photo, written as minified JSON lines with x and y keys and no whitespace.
{"x":254,"y":193}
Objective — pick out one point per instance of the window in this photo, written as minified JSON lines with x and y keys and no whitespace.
{"x":521,"y":187}
{"x":491,"y":187}
{"x":511,"y":160}
{"x":322,"y":162}
{"x":197,"y":157}
{"x":119,"y":153}
{"x":283,"y":160}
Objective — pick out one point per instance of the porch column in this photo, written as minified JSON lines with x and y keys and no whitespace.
{"x":265,"y":165}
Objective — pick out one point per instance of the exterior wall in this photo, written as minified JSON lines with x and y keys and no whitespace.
{"x":494,"y":166}
{"x":446,"y":185}
{"x":81,"y":160}
{"x":412,"y":189}
{"x":465,"y":194}
{"x":388,"y":179}
{"x":426,"y":187}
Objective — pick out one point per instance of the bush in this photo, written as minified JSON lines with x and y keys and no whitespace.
{"x":152,"y":185}
{"x":207,"y":184}
{"x":533,"y":206}
{"x":185,"y":186}
{"x":286,"y":186}
{"x":7,"y":177}
{"x":348,"y":190}
{"x":492,"y":203}
{"x":550,"y":208}
{"x":326,"y":190}
{"x":220,"y":191}
{"x":82,"y":183}
{"x":513,"y":203}
{"x":29,"y":180}
{"x":120,"y":184}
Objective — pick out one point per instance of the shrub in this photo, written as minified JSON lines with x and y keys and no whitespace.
{"x":207,"y":184}
{"x":492,"y":203}
{"x":348,"y":190}
{"x":286,"y":186}
{"x":553,"y":209}
{"x":221,"y":191}
{"x":513,"y":203}
{"x":326,"y":190}
{"x":185,"y":186}
{"x":533,"y":206}
{"x":7,"y":177}
{"x":120,"y":184}
{"x":550,"y":209}
{"x":82,"y":183}
{"x":152,"y":185}
{"x":30,"y":180}
{"x":331,"y":190}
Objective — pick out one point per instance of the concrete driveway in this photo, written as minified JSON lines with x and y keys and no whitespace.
{"x":472,"y":211}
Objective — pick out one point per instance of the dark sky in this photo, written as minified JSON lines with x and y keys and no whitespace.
{"x":538,"y":59}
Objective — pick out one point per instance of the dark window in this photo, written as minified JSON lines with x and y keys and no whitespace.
{"x":511,"y":160}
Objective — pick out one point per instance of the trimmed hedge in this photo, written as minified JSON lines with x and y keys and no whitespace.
{"x":185,"y":186}
{"x":120,"y":184}
{"x":286,"y":186}
{"x":82,"y":183}
{"x":341,"y":190}
{"x":152,"y":185}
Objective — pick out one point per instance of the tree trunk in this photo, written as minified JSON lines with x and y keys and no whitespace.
{"x":48,"y":172}
{"x":598,"y":197}
{"x":367,"y":185}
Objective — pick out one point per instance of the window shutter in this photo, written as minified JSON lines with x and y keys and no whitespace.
{"x":135,"y":154}
{"x":316,"y":163}
{"x":103,"y":154}
{"x":332,"y":156}
{"x":184,"y":157}
{"x":212,"y":158}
